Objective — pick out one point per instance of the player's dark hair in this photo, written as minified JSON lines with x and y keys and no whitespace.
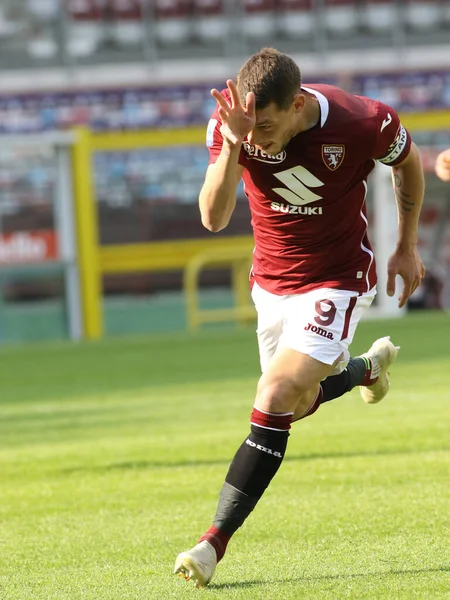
{"x":272,"y":76}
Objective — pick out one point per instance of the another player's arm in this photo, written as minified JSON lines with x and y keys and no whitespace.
{"x":408,"y":182}
{"x":217,"y":198}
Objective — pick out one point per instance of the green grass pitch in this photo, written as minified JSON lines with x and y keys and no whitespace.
{"x":112,"y":455}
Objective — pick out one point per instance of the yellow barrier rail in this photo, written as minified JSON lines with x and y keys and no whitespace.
{"x":164,"y":256}
{"x":87,"y":234}
{"x":94,"y":260}
{"x":239,"y":258}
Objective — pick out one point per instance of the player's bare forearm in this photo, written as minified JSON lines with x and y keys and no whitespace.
{"x":408,"y":181}
{"x":217,"y":198}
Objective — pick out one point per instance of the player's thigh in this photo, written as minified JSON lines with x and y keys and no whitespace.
{"x":269,"y":308}
{"x":322,"y":323}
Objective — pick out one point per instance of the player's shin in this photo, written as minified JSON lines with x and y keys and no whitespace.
{"x":252,"y":469}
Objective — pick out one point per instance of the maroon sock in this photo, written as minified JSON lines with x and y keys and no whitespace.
{"x":252,"y":468}
{"x":218,"y":540}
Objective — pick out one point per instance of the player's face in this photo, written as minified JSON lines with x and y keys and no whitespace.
{"x":274,"y":128}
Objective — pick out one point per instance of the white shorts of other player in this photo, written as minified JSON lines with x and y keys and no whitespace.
{"x":320,"y":323}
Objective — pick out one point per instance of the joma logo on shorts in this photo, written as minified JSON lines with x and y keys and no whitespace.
{"x":263,"y":448}
{"x":319,"y":331}
{"x":296,"y":210}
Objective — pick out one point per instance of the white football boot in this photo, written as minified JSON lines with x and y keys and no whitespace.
{"x":381,"y":354}
{"x":197,"y":564}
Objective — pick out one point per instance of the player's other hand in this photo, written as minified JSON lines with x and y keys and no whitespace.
{"x":409,"y":265}
{"x":237,"y":120}
{"x":442,"y":166}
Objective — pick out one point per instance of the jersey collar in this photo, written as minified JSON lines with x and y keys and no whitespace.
{"x":323,"y":103}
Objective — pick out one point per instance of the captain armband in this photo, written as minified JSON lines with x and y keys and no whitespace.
{"x":396,"y":148}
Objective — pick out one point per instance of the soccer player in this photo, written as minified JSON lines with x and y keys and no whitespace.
{"x":304,"y":153}
{"x":442,"y":166}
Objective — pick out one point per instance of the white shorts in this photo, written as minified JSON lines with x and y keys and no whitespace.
{"x":320,"y":323}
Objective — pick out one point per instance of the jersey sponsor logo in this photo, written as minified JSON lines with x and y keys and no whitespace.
{"x":333,"y":155}
{"x":257,"y":154}
{"x":387,"y":121}
{"x":296,"y":210}
{"x":298,"y":182}
{"x":210,"y":132}
{"x":319,"y":331}
{"x":397,"y":147}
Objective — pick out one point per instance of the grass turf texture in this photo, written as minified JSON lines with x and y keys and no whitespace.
{"x":112,"y":455}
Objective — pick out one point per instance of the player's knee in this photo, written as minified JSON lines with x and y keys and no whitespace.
{"x":280,"y":395}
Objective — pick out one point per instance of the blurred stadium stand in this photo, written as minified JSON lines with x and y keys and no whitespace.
{"x":70,"y":32}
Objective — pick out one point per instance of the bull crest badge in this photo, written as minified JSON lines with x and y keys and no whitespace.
{"x":333,"y":155}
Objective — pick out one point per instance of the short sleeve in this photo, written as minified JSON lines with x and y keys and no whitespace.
{"x":214,"y":137}
{"x":393,"y":140}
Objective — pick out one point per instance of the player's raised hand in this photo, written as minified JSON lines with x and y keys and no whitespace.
{"x":410,"y":267}
{"x":442,"y":166}
{"x":237,"y":120}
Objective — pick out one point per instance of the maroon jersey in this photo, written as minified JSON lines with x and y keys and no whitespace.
{"x":308,"y":202}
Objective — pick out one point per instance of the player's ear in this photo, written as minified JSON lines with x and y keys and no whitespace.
{"x":299,"y":102}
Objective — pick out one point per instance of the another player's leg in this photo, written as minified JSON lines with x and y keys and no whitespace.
{"x":290,"y":380}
